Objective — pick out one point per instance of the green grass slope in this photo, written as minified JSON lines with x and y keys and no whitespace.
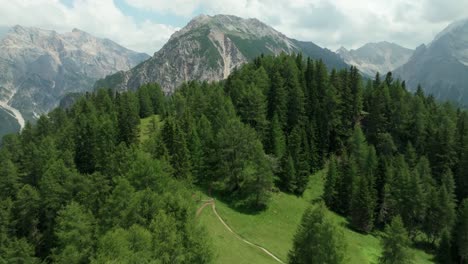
{"x":227,"y":247}
{"x":275,"y":227}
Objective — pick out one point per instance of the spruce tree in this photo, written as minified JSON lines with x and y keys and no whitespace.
{"x":75,"y":235}
{"x":330,"y":192}
{"x":444,"y":250}
{"x":128,"y":118}
{"x":362,"y":205}
{"x":277,"y":98}
{"x":144,"y":99}
{"x":277,"y":142}
{"x":287,"y":174}
{"x":395,"y":244}
{"x":461,"y":231}
{"x":317,"y":240}
{"x":348,"y":172}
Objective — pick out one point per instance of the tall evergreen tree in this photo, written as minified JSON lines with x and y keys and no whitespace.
{"x":317,"y":240}
{"x":395,"y":244}
{"x":362,"y":205}
{"x":277,"y":142}
{"x":461,"y":231}
{"x":287,"y":175}
{"x":330,"y":192}
{"x":75,"y":235}
{"x":128,"y":117}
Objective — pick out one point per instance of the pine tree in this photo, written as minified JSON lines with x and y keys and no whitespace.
{"x":414,"y":208}
{"x":277,"y":144}
{"x":252,"y":106}
{"x":287,"y":175}
{"x":358,"y":147}
{"x":277,"y":98}
{"x":395,"y":244}
{"x":440,"y":213}
{"x":444,"y":250}
{"x":75,"y":235}
{"x":462,"y":231}
{"x":174,"y":139}
{"x":356,"y":93}
{"x":462,"y":174}
{"x":157,"y":98}
{"x":362,"y":205}
{"x":330,"y":192}
{"x":128,"y":117}
{"x":317,"y":240}
{"x":9,"y":178}
{"x":86,"y":124}
{"x":144,"y":99}
{"x":297,"y":144}
{"x":242,"y":171}
{"x":348,"y":174}
{"x":364,"y":195}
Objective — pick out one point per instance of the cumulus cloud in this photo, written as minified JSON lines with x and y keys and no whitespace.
{"x":333,"y":23}
{"x":329,"y":23}
{"x":99,"y":17}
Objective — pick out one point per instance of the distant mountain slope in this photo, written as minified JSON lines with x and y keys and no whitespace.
{"x":442,"y":66}
{"x":376,"y":57}
{"x":209,"y":48}
{"x":38,"y":67}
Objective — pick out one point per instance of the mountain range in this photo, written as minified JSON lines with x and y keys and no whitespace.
{"x":441,"y":67}
{"x":209,"y":48}
{"x":379,"y":57}
{"x":38,"y":67}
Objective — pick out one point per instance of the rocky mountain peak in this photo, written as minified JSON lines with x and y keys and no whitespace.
{"x":38,"y":67}
{"x":376,"y":57}
{"x":342,"y":50}
{"x":441,"y":67}
{"x":209,"y":48}
{"x":455,"y":28}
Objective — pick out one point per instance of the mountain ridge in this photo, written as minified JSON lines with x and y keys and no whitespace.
{"x":209,"y":48}
{"x":376,"y":57}
{"x":39,"y":66}
{"x":441,"y":67}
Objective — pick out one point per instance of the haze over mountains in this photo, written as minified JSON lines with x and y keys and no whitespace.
{"x":209,"y":48}
{"x":38,"y":67}
{"x":376,"y":57}
{"x":441,"y":67}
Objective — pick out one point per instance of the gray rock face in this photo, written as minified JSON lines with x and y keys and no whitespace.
{"x":379,"y":57}
{"x":208,"y":49}
{"x":38,"y":67}
{"x":441,"y":67}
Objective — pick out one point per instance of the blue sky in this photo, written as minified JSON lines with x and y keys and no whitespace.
{"x":141,"y":14}
{"x":145,"y":25}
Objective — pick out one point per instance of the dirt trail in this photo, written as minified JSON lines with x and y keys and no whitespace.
{"x":213,"y":206}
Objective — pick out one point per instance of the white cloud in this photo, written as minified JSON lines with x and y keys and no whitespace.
{"x":332,"y":23}
{"x":329,"y":23}
{"x":98,"y":17}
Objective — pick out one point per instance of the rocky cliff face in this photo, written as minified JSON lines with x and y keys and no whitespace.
{"x":441,"y":67}
{"x":38,"y":67}
{"x":379,"y":57}
{"x":209,"y":48}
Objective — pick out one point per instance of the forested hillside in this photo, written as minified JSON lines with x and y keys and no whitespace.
{"x":81,"y":186}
